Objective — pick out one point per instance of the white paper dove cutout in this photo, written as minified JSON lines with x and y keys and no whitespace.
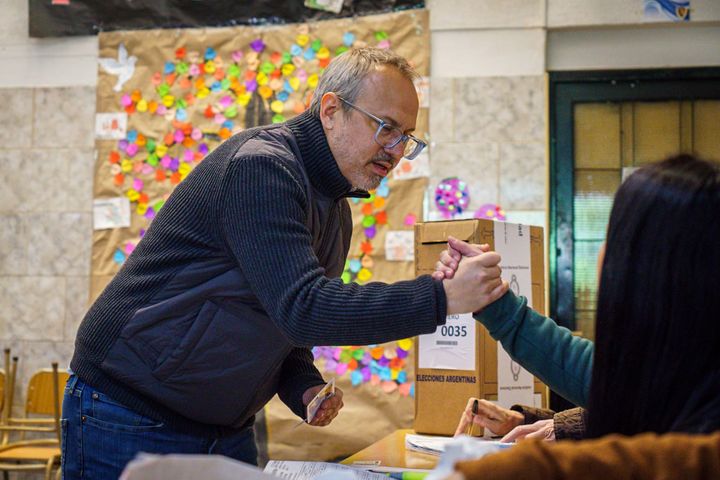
{"x":123,"y":67}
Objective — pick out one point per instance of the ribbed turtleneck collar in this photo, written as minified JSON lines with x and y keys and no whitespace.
{"x":321,"y":166}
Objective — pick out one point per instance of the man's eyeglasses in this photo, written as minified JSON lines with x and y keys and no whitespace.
{"x":388,"y":136}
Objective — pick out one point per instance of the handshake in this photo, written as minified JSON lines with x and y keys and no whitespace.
{"x":470,"y":276}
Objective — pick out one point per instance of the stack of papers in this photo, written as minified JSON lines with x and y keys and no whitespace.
{"x":426,"y":444}
{"x":437,"y":445}
{"x":296,"y":470}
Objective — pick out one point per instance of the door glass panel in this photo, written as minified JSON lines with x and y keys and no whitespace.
{"x":597,"y":135}
{"x":656,"y":130}
{"x":706,"y":129}
{"x":594,"y":193}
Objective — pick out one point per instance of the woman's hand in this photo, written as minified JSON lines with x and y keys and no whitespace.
{"x":449,"y":261}
{"x":497,"y":419}
{"x":542,"y":429}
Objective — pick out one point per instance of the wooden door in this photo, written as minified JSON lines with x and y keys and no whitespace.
{"x":611,"y":139}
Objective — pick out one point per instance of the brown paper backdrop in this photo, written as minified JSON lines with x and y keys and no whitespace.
{"x":369,"y":413}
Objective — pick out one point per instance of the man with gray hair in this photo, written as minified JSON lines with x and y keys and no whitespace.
{"x":238,"y":276}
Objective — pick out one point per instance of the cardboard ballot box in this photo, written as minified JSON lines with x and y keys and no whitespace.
{"x":460,"y":360}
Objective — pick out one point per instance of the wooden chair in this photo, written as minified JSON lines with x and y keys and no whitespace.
{"x":43,"y":397}
{"x":2,"y":390}
{"x":7,"y":398}
{"x":40,"y":400}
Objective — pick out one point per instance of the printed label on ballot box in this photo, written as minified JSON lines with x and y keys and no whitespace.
{"x":451,"y":347}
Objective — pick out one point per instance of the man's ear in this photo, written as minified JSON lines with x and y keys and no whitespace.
{"x":330,"y":108}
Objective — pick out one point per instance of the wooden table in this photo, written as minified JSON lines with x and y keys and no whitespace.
{"x":392,"y":453}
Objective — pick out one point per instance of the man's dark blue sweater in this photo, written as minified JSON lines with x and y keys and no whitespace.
{"x":238,"y":275}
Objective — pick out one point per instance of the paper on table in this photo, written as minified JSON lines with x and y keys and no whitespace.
{"x":291,"y":470}
{"x":426,"y":444}
{"x":437,"y":445}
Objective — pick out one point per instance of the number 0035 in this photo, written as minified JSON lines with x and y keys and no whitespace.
{"x":453,"y":330}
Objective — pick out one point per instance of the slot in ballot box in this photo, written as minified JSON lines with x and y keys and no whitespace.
{"x":460,"y":360}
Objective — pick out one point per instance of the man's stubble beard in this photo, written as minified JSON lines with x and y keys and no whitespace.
{"x":371,"y":181}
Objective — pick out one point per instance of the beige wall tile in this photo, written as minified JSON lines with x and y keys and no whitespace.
{"x":522,"y":176}
{"x":81,"y":170}
{"x":16,"y":116}
{"x":64,"y":117}
{"x":500,"y":109}
{"x":36,"y":180}
{"x":442,"y":122}
{"x":12,"y":189}
{"x":33,"y":308}
{"x":13,"y":245}
{"x":59,"y":243}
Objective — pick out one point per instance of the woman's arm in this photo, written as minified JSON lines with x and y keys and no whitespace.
{"x":550,"y":352}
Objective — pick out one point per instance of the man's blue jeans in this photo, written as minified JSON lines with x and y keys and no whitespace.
{"x":100,"y":436}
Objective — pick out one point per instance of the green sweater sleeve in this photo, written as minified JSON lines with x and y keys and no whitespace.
{"x":550,"y":352}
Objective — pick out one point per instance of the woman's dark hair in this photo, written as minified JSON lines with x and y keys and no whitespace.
{"x":658,"y":315}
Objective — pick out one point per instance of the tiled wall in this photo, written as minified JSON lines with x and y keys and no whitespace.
{"x":490,"y":132}
{"x":46,"y":170}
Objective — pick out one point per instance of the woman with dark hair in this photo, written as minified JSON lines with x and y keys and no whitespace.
{"x":656,"y":363}
{"x":657,"y":347}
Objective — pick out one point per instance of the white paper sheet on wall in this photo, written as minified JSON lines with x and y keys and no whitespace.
{"x":400,"y":246}
{"x":451,"y":347}
{"x":111,"y":213}
{"x":512,"y":242}
{"x":111,"y":126}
